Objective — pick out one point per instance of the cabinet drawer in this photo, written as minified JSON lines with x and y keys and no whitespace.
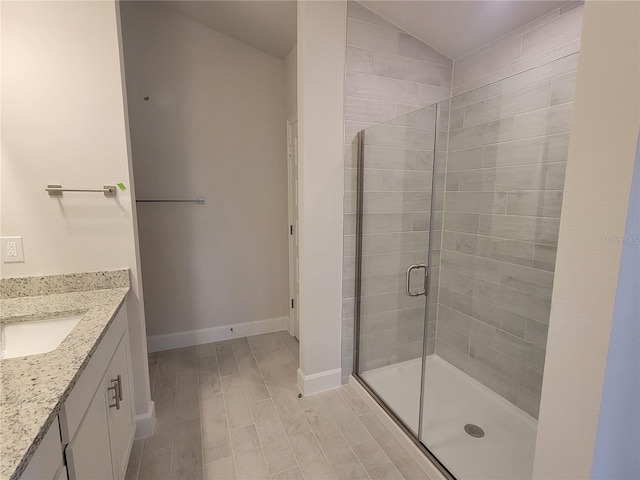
{"x":78,"y":401}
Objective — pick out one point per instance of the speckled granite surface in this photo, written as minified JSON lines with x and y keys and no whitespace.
{"x":67,"y":283}
{"x":33,"y":388}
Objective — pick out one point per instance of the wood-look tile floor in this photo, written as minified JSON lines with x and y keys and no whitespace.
{"x":230,"y":410}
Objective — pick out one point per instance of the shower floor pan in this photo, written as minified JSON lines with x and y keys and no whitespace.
{"x":453,"y":400}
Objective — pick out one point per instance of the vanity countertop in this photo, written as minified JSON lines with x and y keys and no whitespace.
{"x":33,"y":388}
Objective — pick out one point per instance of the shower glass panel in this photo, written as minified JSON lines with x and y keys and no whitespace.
{"x":393,"y":225}
{"x":460,"y":369}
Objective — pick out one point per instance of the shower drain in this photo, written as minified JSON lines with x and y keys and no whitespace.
{"x":474,"y":430}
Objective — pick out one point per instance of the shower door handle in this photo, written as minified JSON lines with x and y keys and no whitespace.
{"x":409,"y":270}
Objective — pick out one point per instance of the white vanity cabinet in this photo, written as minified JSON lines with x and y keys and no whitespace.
{"x":47,"y":462}
{"x":97,"y":421}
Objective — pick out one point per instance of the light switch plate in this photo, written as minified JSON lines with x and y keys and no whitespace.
{"x":12,"y":250}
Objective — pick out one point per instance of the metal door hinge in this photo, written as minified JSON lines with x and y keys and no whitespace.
{"x":292,"y":303}
{"x":290,"y":229}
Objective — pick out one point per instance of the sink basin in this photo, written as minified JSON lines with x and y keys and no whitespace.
{"x":30,"y":338}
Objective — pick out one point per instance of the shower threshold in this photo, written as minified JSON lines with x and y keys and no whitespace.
{"x":452,"y":401}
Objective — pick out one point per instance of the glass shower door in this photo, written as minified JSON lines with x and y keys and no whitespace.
{"x":394,"y":194}
{"x":462,"y":202}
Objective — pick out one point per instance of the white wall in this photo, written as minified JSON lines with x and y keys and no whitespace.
{"x":63,"y":121}
{"x":605,"y":125}
{"x":321,"y":57}
{"x":618,"y":441}
{"x":214,"y":126}
{"x":291,"y":83}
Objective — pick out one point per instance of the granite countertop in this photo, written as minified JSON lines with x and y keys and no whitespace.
{"x":33,"y":388}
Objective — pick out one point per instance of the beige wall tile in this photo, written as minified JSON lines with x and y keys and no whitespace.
{"x":563,"y":88}
{"x":530,"y":229}
{"x":546,"y":121}
{"x":471,"y":265}
{"x":545,"y":149}
{"x":484,"y":134}
{"x":518,"y":348}
{"x":372,"y":37}
{"x":544,"y":257}
{"x":367,"y":110}
{"x":514,"y":300}
{"x":389,"y":158}
{"x":496,"y":382}
{"x":359,"y":60}
{"x":532,"y":280}
{"x":382,"y":88}
{"x":505,"y":365}
{"x":528,"y":402}
{"x":414,"y":48}
{"x":562,"y":30}
{"x":530,"y":97}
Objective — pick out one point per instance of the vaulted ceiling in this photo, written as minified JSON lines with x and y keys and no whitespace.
{"x":455,"y":28}
{"x":451,"y":27}
{"x":268,"y":25}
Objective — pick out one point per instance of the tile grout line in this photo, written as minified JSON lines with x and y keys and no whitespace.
{"x":358,"y":416}
{"x":371,"y":412}
{"x":276,"y":412}
{"x":197,"y":367}
{"x":250,"y":404}
{"x":288,"y":357}
{"x":343,"y":437}
{"x":226,"y":415}
{"x":173,"y":426}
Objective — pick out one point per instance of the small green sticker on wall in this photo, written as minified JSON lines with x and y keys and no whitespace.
{"x":122,"y":187}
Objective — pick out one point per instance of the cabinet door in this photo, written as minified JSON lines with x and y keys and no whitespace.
{"x":122,"y":417}
{"x":89,"y":453}
{"x":47,"y":459}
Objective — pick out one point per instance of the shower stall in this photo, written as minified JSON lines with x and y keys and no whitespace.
{"x":458,"y":211}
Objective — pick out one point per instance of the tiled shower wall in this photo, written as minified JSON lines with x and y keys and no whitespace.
{"x":388,"y":74}
{"x":552,"y":36}
{"x":507,"y":151}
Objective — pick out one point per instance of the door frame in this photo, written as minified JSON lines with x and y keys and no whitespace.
{"x":294,"y":327}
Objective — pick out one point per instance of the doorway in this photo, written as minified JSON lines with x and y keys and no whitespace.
{"x":294,"y":237}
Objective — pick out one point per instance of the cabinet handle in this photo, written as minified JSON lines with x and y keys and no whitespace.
{"x":116,"y":392}
{"x":120,"y":387}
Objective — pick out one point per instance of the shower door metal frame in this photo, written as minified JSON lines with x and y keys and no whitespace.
{"x":415,"y":438}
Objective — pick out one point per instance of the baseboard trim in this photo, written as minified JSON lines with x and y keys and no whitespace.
{"x":157,"y":343}
{"x":146,"y":422}
{"x":319,"y":382}
{"x":421,"y":459}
